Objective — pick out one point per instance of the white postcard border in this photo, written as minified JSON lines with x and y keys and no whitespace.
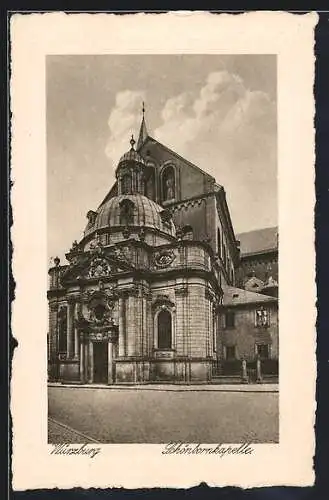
{"x":289,"y":36}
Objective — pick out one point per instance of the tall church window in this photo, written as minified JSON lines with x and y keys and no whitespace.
{"x":168,"y":184}
{"x":218,"y":243}
{"x":126,"y":212}
{"x":126,"y":184}
{"x":62,"y":330}
{"x":224,"y":256}
{"x":164,"y":330}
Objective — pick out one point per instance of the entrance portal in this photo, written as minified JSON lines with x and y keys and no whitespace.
{"x":100,"y":362}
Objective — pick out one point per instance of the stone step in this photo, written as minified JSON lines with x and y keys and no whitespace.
{"x":226,"y":379}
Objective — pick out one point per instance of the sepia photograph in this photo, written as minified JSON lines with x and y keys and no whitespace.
{"x":162,"y":223}
{"x":162,"y":187}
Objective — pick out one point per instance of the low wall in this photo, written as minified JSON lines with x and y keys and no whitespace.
{"x":163,"y":371}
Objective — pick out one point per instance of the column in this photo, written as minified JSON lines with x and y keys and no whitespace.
{"x":130,"y":330}
{"x":150,"y":326}
{"x":122,"y":327}
{"x":209,"y":328}
{"x":70,"y":333}
{"x":110,"y":363}
{"x":215,"y":329}
{"x":90,"y":362}
{"x":86,"y":361}
{"x":180,"y":318}
{"x":76,"y":333}
{"x":82,"y":362}
{"x":145,"y":347}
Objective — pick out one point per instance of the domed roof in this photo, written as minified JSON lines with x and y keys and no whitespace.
{"x":145,"y":213}
{"x":132,"y":155}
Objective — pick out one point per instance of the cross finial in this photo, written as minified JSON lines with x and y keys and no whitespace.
{"x":132,"y":142}
{"x":143,"y":109}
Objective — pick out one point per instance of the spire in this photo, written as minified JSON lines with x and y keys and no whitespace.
{"x":143,"y":130}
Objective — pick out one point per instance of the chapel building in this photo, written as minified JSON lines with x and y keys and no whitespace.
{"x":157,"y":289}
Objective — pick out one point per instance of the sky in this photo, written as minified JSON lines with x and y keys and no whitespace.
{"x":218,"y":111}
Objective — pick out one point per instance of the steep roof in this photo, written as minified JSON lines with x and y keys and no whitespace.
{"x":143,"y":134}
{"x":237,"y":296}
{"x":258,"y":241}
{"x":172,"y":152}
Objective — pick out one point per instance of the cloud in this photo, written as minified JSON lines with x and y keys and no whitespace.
{"x":124,"y":118}
{"x":225,"y":128}
{"x":229,"y":131}
{"x":225,"y":116}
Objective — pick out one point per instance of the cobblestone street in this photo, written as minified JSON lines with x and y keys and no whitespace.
{"x":153,"y":416}
{"x":59,"y":433}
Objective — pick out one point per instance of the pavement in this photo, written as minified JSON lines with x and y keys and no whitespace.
{"x":176,"y":387}
{"x":192,"y":414}
{"x":61,"y":433}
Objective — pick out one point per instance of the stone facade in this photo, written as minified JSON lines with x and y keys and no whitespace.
{"x":144,"y":294}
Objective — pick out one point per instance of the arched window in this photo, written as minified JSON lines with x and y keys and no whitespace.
{"x":168,"y":184}
{"x":164,"y":330}
{"x":126,"y":212}
{"x":126,"y":184}
{"x":62,"y":330}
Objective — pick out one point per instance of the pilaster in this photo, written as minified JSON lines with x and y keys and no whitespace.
{"x":122,"y":326}
{"x":90,"y":362}
{"x":82,"y":361}
{"x":70,"y":333}
{"x":110,"y":363}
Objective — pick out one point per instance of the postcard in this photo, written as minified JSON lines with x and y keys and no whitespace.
{"x":163,"y":249}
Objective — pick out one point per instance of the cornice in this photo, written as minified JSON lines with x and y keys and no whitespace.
{"x":192,"y":200}
{"x":123,"y":229}
{"x":251,"y":255}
